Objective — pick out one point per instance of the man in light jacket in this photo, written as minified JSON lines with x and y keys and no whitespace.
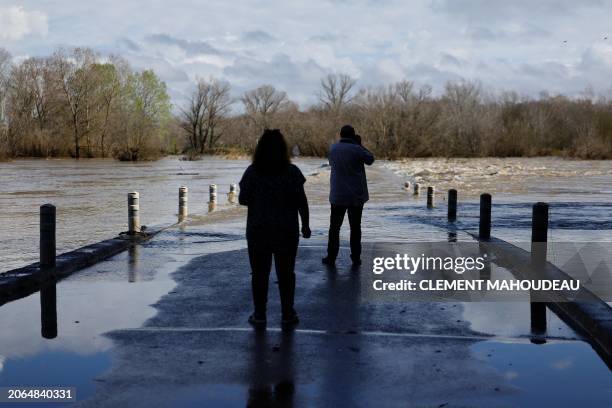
{"x":348,"y":191}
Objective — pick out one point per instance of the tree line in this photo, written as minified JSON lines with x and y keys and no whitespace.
{"x":402,"y":120}
{"x":74,"y":103}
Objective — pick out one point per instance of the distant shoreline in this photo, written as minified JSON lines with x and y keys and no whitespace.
{"x":245,"y":156}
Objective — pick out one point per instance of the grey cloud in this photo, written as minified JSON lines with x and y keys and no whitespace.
{"x":166,"y":71}
{"x":299,"y":79}
{"x":500,"y":10}
{"x":128,"y":44}
{"x":327,"y":37}
{"x":481,"y":33}
{"x":428,"y":74}
{"x":190,"y":47}
{"x":526,"y":31}
{"x":257,"y":36}
{"x":448,"y":59}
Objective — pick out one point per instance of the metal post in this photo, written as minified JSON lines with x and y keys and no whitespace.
{"x":212,"y":193}
{"x":133,"y":213}
{"x":539,"y":245}
{"x":183,"y":200}
{"x":484,"y":228}
{"x":47,"y":236}
{"x":231,"y":197}
{"x":539,"y":225}
{"x":430,"y":196}
{"x":407,"y":185}
{"x":452,"y":204}
{"x":417,"y":188}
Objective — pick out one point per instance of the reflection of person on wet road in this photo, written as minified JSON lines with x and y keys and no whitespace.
{"x":348,"y":191}
{"x":273,"y":190}
{"x":272,"y":372}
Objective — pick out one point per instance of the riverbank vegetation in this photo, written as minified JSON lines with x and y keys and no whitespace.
{"x":75,"y":103}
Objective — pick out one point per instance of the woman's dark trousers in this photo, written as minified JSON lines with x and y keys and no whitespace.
{"x":260,"y":257}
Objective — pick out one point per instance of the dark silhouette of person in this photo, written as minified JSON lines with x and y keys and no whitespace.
{"x":273,"y":190}
{"x":348,"y":192}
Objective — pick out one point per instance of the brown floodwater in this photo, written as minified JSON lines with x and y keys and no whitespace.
{"x":91,"y":197}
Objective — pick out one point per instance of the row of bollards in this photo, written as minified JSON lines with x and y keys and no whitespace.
{"x":539,"y":216}
{"x":48,"y":247}
{"x":539,"y":238}
{"x":484,"y":227}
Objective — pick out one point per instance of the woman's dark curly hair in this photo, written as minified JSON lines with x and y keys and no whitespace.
{"x":271,"y":155}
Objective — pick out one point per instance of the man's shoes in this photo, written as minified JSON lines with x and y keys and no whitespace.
{"x":257,"y":320}
{"x":328,"y":261}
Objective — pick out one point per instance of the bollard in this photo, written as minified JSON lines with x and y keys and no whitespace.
{"x":539,"y":233}
{"x":212,"y":193}
{"x":417,"y":188}
{"x":539,"y":223}
{"x":231,"y":196}
{"x":430,"y":196}
{"x":133,"y":213}
{"x":484,"y":228}
{"x":183,"y":200}
{"x":452,"y":204}
{"x":539,"y":238}
{"x":407,"y":185}
{"x":47,"y":236}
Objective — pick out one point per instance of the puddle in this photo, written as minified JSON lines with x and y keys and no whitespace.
{"x":55,"y":369}
{"x":557,"y":374}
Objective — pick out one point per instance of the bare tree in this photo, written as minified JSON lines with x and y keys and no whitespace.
{"x":107,"y":88}
{"x":263,"y":103}
{"x":462,"y":117}
{"x":192,"y":115}
{"x":335,"y":91}
{"x":208,"y":105}
{"x":5,"y":67}
{"x":38,"y":82}
{"x":74,"y":78}
{"x":217,"y":106}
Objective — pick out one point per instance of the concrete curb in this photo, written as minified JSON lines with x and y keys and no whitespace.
{"x":590,"y":316}
{"x":24,"y":281}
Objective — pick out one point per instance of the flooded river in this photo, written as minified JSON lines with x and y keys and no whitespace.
{"x":91,"y":195}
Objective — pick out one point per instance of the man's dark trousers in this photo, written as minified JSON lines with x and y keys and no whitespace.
{"x":335,"y":223}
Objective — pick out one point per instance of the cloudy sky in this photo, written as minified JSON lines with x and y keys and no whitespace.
{"x":522,"y":45}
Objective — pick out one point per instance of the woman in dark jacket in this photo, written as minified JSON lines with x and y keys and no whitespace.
{"x":273,"y":190}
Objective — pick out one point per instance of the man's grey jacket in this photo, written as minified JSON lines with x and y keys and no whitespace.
{"x":348,"y":184}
